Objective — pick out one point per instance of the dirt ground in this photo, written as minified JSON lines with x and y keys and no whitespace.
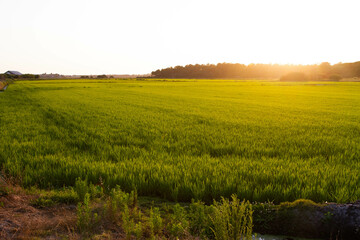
{"x":19,"y":219}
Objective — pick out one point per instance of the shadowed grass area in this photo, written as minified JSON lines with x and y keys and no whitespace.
{"x":263,"y":141}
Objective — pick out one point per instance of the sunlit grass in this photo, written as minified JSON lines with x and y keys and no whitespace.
{"x":261,"y":140}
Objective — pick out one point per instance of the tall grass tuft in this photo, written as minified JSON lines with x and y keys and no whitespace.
{"x":232,"y":220}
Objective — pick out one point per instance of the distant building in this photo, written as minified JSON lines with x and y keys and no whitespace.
{"x":51,"y":76}
{"x":13,"y":73}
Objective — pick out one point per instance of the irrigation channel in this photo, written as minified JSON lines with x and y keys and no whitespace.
{"x":3,"y":89}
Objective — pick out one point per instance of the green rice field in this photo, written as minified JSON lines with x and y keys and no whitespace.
{"x":184,"y":139}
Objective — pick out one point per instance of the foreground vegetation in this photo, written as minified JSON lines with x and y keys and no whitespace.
{"x":262,"y":141}
{"x":117,"y":215}
{"x":52,"y":214}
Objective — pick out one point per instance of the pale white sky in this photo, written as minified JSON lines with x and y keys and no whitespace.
{"x":139,"y":36}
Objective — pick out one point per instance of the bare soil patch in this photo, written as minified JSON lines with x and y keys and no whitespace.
{"x":19,"y":219}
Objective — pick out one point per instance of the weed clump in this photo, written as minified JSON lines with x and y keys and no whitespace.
{"x":232,"y":219}
{"x":227,"y":219}
{"x":86,"y":219}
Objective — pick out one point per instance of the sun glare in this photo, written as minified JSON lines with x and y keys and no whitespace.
{"x":90,"y":37}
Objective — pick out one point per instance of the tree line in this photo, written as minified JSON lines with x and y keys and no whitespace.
{"x":323,"y":71}
{"x":23,"y":76}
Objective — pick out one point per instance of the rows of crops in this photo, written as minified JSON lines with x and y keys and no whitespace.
{"x":187,"y":139}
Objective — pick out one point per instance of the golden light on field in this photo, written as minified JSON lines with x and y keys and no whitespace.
{"x":94,"y":37}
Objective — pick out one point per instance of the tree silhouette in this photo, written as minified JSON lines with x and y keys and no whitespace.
{"x":272,"y":71}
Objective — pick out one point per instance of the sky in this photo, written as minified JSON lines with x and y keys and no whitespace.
{"x":140,"y":36}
